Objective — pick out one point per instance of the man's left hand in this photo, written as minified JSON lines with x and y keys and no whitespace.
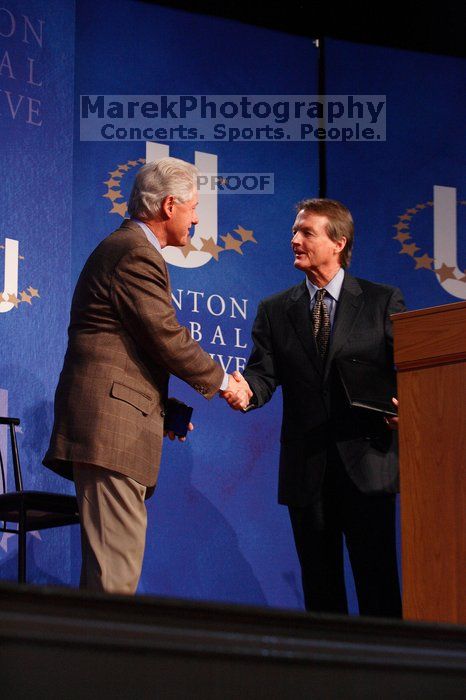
{"x":172,"y":435}
{"x":392,"y":421}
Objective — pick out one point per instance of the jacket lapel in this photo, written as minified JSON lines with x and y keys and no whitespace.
{"x":349,"y":306}
{"x":299,"y":314}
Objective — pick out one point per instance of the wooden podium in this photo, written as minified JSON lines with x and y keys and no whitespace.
{"x":430,"y":355}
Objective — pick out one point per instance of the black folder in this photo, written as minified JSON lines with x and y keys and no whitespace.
{"x":177,"y":417}
{"x":367,"y":385}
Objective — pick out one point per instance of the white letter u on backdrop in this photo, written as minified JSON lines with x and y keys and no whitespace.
{"x":445,"y":238}
{"x":11,"y":274}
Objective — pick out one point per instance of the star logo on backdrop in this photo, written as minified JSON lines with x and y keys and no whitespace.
{"x":232,"y":243}
{"x":188,"y":248}
{"x":25,"y":296}
{"x":233,"y":240}
{"x":245,"y":235}
{"x":404,"y":236}
{"x":113,"y":193}
{"x":424,"y":261}
{"x":445,"y":273}
{"x":209,"y":246}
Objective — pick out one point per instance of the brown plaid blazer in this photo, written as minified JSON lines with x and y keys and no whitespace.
{"x":124,"y":342}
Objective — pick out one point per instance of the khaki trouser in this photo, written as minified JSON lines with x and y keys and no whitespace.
{"x":113,"y":529}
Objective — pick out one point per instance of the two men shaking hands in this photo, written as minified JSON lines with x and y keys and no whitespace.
{"x":338,"y":466}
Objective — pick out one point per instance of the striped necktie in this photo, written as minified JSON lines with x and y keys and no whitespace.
{"x":321,"y":322}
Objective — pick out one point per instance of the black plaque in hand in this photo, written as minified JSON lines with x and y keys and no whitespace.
{"x":177,"y":417}
{"x":368,"y":385}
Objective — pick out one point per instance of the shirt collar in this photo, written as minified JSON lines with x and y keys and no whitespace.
{"x":149,"y":235}
{"x":333,"y":288}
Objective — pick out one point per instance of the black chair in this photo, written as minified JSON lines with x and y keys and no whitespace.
{"x":30,"y":510}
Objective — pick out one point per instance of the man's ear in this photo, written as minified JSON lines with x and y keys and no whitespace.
{"x":340,"y":244}
{"x":167,"y":206}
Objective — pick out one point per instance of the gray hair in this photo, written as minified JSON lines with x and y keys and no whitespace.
{"x":159,"y":179}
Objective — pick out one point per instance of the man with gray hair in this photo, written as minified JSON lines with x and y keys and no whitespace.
{"x":124,"y":342}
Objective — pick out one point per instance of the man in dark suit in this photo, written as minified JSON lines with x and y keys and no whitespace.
{"x":124,"y":342}
{"x":338,"y":465}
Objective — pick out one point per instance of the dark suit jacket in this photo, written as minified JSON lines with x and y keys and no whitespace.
{"x":124,"y":342}
{"x":316,"y":413}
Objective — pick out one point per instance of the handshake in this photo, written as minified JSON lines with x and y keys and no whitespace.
{"x":237,"y":394}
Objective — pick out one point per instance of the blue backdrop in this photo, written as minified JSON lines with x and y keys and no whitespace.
{"x":36,"y":107}
{"x":215,"y":531}
{"x":389,"y":186}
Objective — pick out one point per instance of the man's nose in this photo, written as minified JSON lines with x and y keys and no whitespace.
{"x":296,"y":238}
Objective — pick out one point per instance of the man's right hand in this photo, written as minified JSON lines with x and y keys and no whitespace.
{"x":238,"y":392}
